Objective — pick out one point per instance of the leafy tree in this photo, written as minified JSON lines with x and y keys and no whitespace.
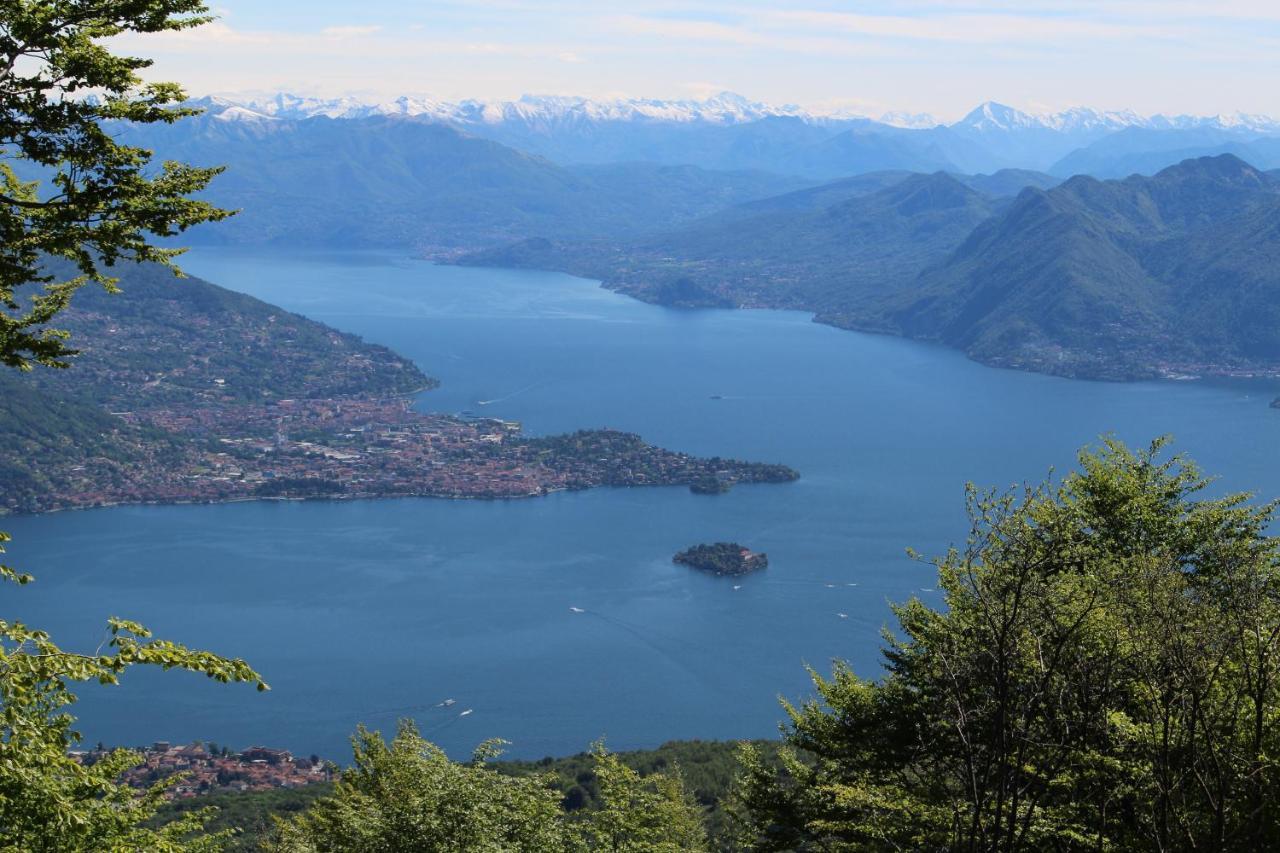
{"x":408,"y":796}
{"x":48,"y":800}
{"x":635,"y":814}
{"x":1104,"y":677}
{"x":67,"y":188}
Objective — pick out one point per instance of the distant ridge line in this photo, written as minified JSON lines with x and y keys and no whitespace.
{"x":723,"y":108}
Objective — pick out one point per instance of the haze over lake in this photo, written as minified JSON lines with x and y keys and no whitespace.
{"x":370,"y":610}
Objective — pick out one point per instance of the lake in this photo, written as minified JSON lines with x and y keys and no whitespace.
{"x":372,"y":610}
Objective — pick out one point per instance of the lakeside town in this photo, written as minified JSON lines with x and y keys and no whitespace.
{"x":196,"y":394}
{"x":365,"y":448}
{"x":200,"y":768}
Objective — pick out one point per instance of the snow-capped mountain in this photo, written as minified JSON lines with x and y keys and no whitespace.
{"x":910,"y":121}
{"x":992,"y":116}
{"x":724,"y":108}
{"x":730,"y":132}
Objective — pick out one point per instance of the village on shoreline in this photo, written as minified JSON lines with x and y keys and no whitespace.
{"x":202,"y":768}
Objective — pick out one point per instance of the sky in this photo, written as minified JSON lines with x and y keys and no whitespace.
{"x":940,"y":57}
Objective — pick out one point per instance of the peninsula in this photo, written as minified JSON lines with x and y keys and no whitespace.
{"x":722,"y":558}
{"x":186,"y":392}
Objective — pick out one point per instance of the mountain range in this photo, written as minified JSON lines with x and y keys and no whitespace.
{"x":1175,"y":273}
{"x":1118,"y":279}
{"x":447,"y":178}
{"x":817,"y":249}
{"x":415,"y":183}
{"x":728,"y":131}
{"x":959,"y":233}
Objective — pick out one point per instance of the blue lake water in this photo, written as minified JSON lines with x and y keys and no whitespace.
{"x":368,"y":611}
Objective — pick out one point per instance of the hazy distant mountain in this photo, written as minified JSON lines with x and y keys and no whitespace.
{"x":1011,"y":138}
{"x":418,"y":183}
{"x":819,"y":249}
{"x":1008,"y":182}
{"x":1118,"y":278}
{"x":728,"y":132}
{"x":1146,"y":150}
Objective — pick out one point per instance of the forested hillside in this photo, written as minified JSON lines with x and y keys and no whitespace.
{"x":1167,"y":275}
{"x":165,"y":340}
{"x":1121,"y":279}
{"x":816,"y":250}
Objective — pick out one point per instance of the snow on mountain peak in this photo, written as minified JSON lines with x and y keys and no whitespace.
{"x":722,"y":108}
{"x":725,"y":108}
{"x":238,"y":113}
{"x":911,"y":121}
{"x":991,"y":116}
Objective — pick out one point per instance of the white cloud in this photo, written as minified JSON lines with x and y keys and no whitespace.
{"x":972,"y":28}
{"x":870,"y":56}
{"x":350,"y":31}
{"x":706,"y":31}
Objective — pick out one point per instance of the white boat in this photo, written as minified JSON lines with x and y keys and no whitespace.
{"x":576,"y":610}
{"x":464,"y":713}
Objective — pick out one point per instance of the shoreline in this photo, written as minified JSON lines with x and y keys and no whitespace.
{"x":1157,"y":372}
{"x":357,"y":497}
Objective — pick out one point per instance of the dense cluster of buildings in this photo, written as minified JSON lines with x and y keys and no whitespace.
{"x":356,"y":447}
{"x":196,"y":769}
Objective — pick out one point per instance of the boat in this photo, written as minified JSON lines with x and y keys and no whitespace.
{"x":464,"y":713}
{"x":576,"y":610}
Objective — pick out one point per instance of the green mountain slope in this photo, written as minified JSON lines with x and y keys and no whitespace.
{"x":1148,"y":276}
{"x":54,"y":443}
{"x":798,"y":251}
{"x":164,"y":341}
{"x":1118,"y":279}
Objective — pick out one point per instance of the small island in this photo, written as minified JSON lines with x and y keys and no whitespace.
{"x":722,"y":558}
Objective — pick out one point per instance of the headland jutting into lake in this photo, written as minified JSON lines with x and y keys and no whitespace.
{"x":196,"y":394}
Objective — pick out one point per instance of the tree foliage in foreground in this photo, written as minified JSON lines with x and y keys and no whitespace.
{"x":48,"y":800}
{"x":67,"y":188}
{"x":408,"y":796}
{"x":1104,"y":677}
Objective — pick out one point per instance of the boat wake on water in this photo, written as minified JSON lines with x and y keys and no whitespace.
{"x":514,"y":393}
